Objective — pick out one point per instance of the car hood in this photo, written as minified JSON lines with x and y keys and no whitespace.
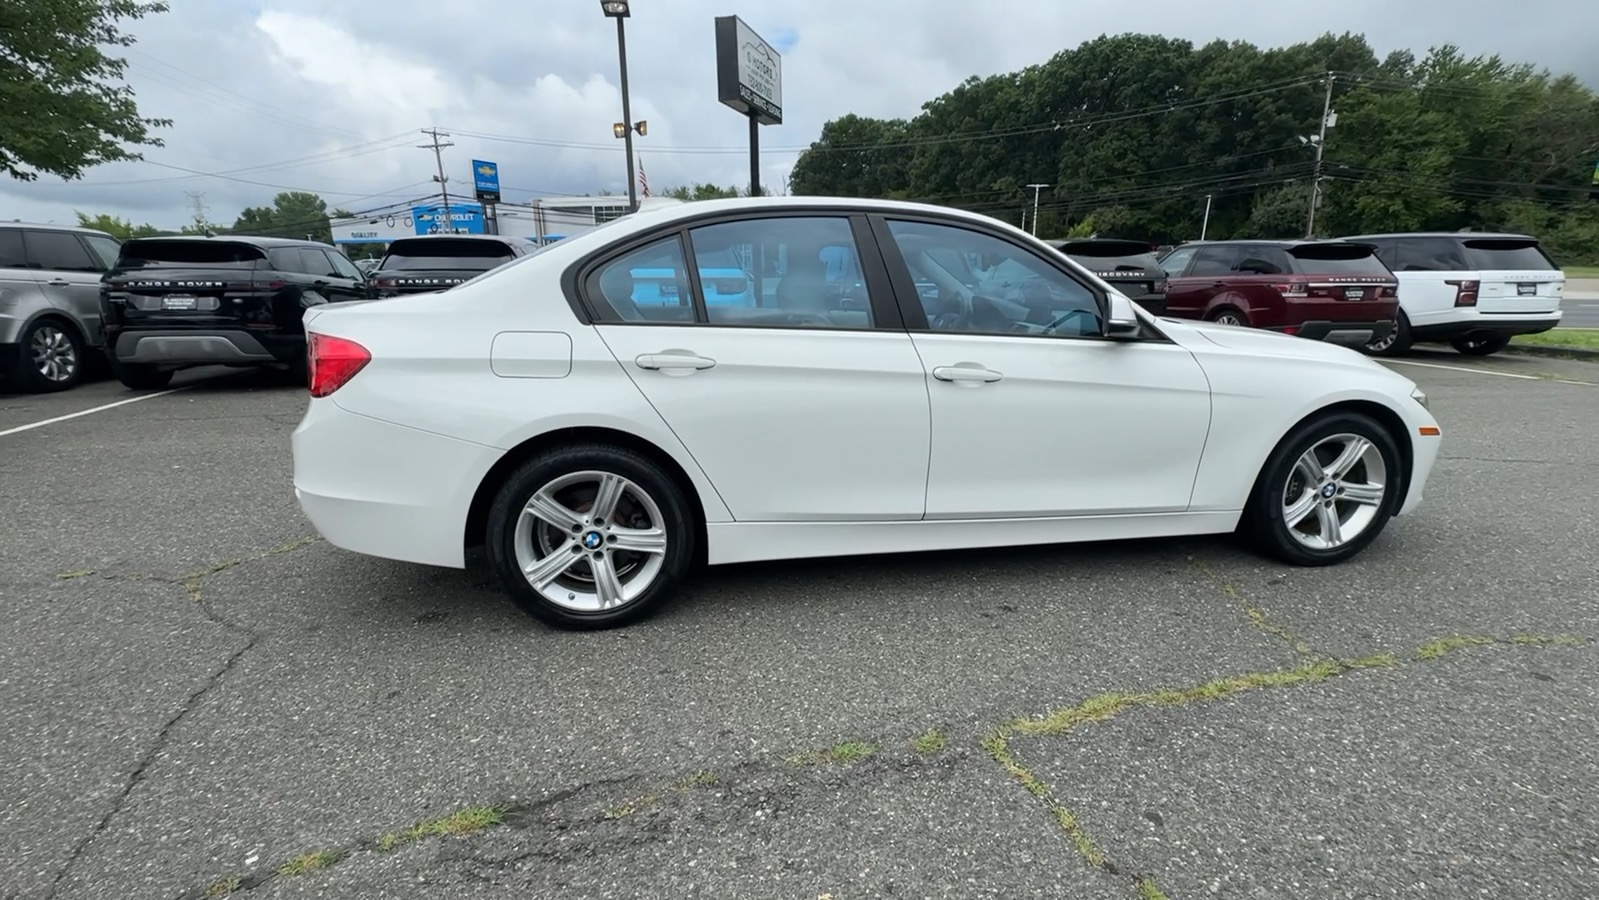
{"x":1255,"y":341}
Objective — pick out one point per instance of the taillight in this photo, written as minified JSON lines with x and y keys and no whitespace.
{"x":1294,"y":290}
{"x":1465,"y":292}
{"x":1160,"y":286}
{"x":386,"y":282}
{"x":274,"y":285}
{"x":332,"y":361}
{"x":1389,"y":292}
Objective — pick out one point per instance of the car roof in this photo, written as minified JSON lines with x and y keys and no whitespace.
{"x":1062,"y":242}
{"x":497,"y":238}
{"x":256,"y":240}
{"x":1460,"y":235}
{"x":51,"y":226}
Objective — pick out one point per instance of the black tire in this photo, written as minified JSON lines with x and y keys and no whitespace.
{"x":513,"y":496}
{"x":141,"y":376}
{"x":1263,"y":519}
{"x":51,"y":358}
{"x":1480,"y":344}
{"x":1399,"y":343}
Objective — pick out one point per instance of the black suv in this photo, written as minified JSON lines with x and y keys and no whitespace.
{"x":174,"y":303}
{"x":1128,"y":266}
{"x":429,"y":263}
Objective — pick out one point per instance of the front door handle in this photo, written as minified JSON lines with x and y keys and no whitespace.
{"x":59,"y":282}
{"x":671,"y":360}
{"x":966,"y":373}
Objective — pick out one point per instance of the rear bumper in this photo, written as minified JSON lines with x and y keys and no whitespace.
{"x":1352,"y":334}
{"x":205,"y":347}
{"x":1486,"y":323}
{"x":385,"y":490}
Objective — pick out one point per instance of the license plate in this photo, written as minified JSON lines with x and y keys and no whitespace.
{"x":180,"y":301}
{"x":1354,"y":293}
{"x":1526,"y":290}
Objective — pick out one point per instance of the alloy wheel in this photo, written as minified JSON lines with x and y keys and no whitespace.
{"x":1228,"y":318}
{"x":1335,"y":491}
{"x":53,"y":355}
{"x":591,"y":541}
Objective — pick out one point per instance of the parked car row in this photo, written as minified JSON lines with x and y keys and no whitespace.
{"x":73,"y":298}
{"x":1382,"y":293}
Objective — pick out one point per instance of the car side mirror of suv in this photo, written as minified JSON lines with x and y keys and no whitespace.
{"x":1122,"y":323}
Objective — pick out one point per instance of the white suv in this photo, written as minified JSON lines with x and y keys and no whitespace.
{"x":1473,"y":289}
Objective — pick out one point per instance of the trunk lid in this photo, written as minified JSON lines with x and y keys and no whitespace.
{"x":424,"y":265}
{"x":1516,"y":275}
{"x":192,"y":283}
{"x":1342,"y":281}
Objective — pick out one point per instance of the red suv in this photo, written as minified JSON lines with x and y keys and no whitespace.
{"x":1332,"y":291}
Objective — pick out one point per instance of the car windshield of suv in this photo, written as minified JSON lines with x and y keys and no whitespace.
{"x":1507,"y":254}
{"x":445,"y":253}
{"x":145,"y":253}
{"x":1337,"y":259}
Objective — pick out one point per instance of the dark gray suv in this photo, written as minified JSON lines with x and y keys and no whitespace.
{"x":50,"y":303}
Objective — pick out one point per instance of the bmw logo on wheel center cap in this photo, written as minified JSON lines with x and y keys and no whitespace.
{"x":593,"y":540}
{"x":1327,"y":490}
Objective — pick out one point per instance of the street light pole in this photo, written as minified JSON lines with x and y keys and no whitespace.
{"x":618,"y":10}
{"x":1036,"y":188}
{"x":1205,"y":225}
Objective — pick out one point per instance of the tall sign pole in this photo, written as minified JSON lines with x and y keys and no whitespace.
{"x":749,"y":80}
{"x":486,"y":184}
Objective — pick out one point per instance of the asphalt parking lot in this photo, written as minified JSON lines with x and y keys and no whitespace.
{"x":200,"y":697}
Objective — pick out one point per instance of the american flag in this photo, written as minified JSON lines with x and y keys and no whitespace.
{"x":643,"y":180}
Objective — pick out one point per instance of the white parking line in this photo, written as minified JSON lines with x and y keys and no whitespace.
{"x":32,"y":425}
{"x":1406,"y":362}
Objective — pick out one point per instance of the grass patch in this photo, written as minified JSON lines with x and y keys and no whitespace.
{"x":1582,"y":272}
{"x":224,"y":887}
{"x":310,"y":862}
{"x":75,"y":573}
{"x":681,"y":786}
{"x":471,"y":820}
{"x":846,"y":752}
{"x":1582,"y":338}
{"x":930,"y":742}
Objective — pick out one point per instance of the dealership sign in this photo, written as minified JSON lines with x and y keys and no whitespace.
{"x":749,"y":73}
{"x":465,"y":218}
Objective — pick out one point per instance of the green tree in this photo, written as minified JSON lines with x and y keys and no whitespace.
{"x":122,"y":229}
{"x":703,"y":192}
{"x":294,"y":214}
{"x":63,"y":108}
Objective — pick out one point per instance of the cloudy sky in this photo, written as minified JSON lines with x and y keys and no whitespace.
{"x":329,"y":95}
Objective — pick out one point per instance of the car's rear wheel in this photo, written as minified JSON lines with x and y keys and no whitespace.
{"x":1397,"y":342}
{"x":51,"y":359}
{"x":1229,"y":316}
{"x":590,"y":537}
{"x":141,"y":376}
{"x":1327,"y":491}
{"x":1480,"y":344}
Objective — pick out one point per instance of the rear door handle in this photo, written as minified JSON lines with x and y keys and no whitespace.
{"x":59,"y":282}
{"x":672,"y":361}
{"x":966,"y":373}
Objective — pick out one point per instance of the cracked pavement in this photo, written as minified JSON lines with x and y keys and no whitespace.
{"x":197,"y":692}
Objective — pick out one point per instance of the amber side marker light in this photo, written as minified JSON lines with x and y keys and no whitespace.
{"x":1430,"y":430}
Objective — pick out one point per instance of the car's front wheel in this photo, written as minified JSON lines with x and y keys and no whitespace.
{"x":1480,"y":344}
{"x":590,"y":536}
{"x":1327,"y":491}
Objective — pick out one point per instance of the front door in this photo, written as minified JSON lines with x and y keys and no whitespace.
{"x":1034,"y":414}
{"x":802,"y":407}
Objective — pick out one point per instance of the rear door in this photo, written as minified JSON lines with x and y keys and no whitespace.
{"x":799,"y":409}
{"x":1189,"y":295}
{"x":339,"y":280}
{"x":68,"y":274}
{"x":1517,"y":276}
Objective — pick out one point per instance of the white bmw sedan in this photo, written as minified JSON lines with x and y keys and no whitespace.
{"x":780,"y":377}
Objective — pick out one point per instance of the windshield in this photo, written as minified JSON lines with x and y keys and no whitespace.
{"x":445,"y":253}
{"x":1337,"y":259}
{"x":211,"y":254}
{"x":1508,"y":254}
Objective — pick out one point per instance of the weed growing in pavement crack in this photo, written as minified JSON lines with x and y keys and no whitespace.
{"x":929,"y":742}
{"x":1257,"y":616}
{"x":846,"y":752}
{"x":75,"y":573}
{"x":192,"y":581}
{"x":471,"y":820}
{"x":681,"y":786}
{"x":1104,"y":706}
{"x":224,"y":886}
{"x":310,"y":862}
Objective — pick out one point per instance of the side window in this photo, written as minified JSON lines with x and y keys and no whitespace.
{"x":287,"y":259}
{"x":105,"y":248}
{"x":646,"y":285}
{"x":1211,"y":261}
{"x":58,"y":251}
{"x":317,"y":263}
{"x":974,"y":283}
{"x":1261,"y":259}
{"x":12,"y":254}
{"x":1176,"y":261}
{"x":799,"y":271}
{"x":343,"y":267}
{"x":1429,"y":255}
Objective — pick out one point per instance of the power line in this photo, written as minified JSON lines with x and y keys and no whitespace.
{"x":438,"y":156}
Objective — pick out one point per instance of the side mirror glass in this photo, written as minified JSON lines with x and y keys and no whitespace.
{"x":1123,"y":320}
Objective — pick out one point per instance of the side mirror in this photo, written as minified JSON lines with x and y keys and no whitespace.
{"x":1123,"y":322}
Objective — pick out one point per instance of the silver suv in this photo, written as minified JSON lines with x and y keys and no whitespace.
{"x":50,"y":302}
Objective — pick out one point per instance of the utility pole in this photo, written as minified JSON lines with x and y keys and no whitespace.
{"x":1321,"y":148}
{"x":1205,"y":225}
{"x":1036,"y":188}
{"x":438,"y":157}
{"x":197,"y":203}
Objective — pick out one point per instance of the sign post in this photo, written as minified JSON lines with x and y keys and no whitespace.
{"x":486,"y":183}
{"x":749,"y":79}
